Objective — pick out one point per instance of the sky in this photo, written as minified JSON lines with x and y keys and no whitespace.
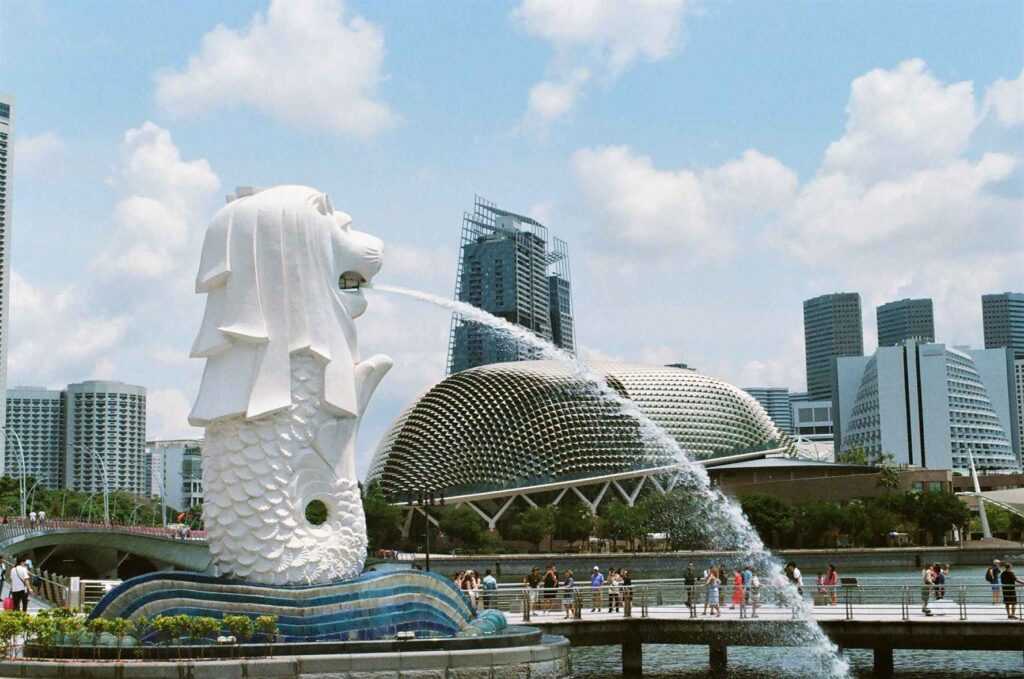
{"x":710,"y":164}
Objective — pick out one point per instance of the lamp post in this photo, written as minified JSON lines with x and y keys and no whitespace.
{"x":106,"y":480}
{"x":21,"y":460}
{"x":426,"y":501}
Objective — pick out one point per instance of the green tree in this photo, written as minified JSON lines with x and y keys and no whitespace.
{"x":939,"y":512}
{"x":853,"y":456}
{"x":770,"y":516}
{"x":573,"y":522}
{"x":535,"y":524}
{"x":462,"y":524}
{"x":383,"y":520}
{"x":622,"y":522}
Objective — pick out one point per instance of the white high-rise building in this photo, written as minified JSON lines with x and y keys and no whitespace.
{"x":1018,"y":379}
{"x":35,"y":420}
{"x":177,"y":472}
{"x":105,"y":436}
{"x":6,"y":179}
{"x":929,"y":405}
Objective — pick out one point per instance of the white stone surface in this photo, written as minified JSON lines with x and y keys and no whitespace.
{"x":283,"y":388}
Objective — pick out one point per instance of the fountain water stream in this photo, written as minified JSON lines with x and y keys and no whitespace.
{"x":739,"y":534}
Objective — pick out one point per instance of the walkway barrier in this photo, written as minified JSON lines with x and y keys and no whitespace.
{"x":900,"y":601}
{"x":19,"y":527}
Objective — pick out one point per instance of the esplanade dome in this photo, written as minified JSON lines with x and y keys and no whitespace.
{"x":530,"y":422}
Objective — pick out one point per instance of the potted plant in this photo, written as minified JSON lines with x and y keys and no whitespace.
{"x":267,"y":626}
{"x":120,"y":627}
{"x":201,"y":628}
{"x":240,"y":627}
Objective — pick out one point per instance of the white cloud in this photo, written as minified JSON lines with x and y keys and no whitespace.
{"x":550,"y":100}
{"x":167,"y":415}
{"x":903,"y":202}
{"x":910,"y":200}
{"x":1006,"y":99}
{"x":107,"y":326}
{"x":622,"y":31}
{"x":166,"y":201}
{"x":39,"y":153}
{"x":595,"y":36}
{"x":902,"y":120}
{"x":305,"y":62}
{"x":675,"y":212}
{"x":54,"y":336}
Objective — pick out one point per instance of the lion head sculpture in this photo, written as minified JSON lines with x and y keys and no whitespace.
{"x":281,"y":270}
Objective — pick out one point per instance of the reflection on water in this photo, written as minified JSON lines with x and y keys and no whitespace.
{"x":691,"y":662}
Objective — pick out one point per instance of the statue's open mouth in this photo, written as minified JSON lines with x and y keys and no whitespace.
{"x":352,"y":280}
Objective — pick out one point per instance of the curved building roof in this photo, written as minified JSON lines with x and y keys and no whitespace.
{"x":523,"y":423}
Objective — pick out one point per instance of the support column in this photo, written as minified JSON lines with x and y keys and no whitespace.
{"x":632,"y":659}
{"x":718,"y":658}
{"x":883,"y":662}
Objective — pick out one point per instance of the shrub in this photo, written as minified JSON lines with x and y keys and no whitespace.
{"x":12,"y":625}
{"x":120,"y":627}
{"x":202,"y":627}
{"x":267,"y":626}
{"x":240,"y":627}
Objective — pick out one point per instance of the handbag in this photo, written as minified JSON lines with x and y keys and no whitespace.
{"x":8,"y":603}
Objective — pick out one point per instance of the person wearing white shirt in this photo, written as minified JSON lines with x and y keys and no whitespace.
{"x":21,"y":585}
{"x":32,"y":519}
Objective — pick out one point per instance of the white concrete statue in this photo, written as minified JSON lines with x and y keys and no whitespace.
{"x":283,"y":389}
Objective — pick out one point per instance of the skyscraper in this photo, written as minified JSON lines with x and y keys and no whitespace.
{"x":508,"y":267}
{"x":1003,"y":318}
{"x":35,"y":422}
{"x":776,"y":402}
{"x":832,"y":328}
{"x":905,"y":319}
{"x":6,"y":178}
{"x":105,"y":420}
{"x":929,"y":405}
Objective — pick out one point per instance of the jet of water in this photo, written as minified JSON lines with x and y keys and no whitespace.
{"x":739,"y":534}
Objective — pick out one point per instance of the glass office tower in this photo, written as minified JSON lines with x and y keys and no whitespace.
{"x":509,"y":267}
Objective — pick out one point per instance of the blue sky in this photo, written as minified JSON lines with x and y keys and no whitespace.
{"x":710,"y":164}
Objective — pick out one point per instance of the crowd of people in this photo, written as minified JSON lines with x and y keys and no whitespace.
{"x":713,"y":588}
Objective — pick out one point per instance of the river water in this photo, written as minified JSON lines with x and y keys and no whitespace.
{"x":691,"y":662}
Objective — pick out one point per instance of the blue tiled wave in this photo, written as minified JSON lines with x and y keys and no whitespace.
{"x":373,"y":606}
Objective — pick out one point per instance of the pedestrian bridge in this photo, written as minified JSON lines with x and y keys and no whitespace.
{"x":877,"y":617}
{"x":99,"y":550}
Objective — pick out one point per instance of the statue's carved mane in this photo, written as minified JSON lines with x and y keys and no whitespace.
{"x":271,"y":287}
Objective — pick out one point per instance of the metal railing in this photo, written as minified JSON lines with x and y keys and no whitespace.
{"x":51,"y":587}
{"x":19,"y":526}
{"x":672,"y":599}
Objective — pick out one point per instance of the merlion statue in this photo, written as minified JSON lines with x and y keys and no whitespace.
{"x":283,"y":388}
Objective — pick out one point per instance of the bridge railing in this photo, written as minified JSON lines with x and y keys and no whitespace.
{"x":23,"y":527}
{"x":673,"y":599}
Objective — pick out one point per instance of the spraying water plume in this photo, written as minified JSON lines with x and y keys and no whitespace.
{"x":731,"y":528}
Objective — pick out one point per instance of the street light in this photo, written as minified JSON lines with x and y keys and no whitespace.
{"x":426,"y":501}
{"x":106,"y":480}
{"x":21,"y":457}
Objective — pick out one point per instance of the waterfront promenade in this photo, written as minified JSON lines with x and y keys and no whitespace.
{"x":879,"y":618}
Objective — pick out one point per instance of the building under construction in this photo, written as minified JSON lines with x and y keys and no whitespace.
{"x":509,"y":267}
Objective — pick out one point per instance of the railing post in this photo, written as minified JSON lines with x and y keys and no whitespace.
{"x":75,"y":593}
{"x":526,"y":606}
{"x":962,"y":600}
{"x":643,"y":603}
{"x":847,"y":603}
{"x":627,"y":602}
{"x":905,"y":601}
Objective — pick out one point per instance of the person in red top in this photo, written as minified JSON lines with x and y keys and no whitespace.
{"x":832,"y":583}
{"x":737,"y":588}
